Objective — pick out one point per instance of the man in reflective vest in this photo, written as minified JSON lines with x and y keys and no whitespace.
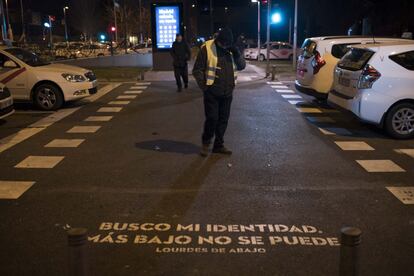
{"x":215,"y":71}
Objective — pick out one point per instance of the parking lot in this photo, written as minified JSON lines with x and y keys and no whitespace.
{"x":300,"y":171}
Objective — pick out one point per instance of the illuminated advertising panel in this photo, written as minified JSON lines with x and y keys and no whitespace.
{"x":167,"y":25}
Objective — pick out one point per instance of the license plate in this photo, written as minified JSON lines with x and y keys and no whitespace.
{"x":344,"y":81}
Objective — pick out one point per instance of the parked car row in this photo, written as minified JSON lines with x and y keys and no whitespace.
{"x":371,"y":77}
{"x":278,"y":50}
{"x":75,"y":50}
{"x":26,"y":77}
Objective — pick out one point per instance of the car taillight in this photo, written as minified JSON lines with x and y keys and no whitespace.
{"x":368,"y":77}
{"x":317,"y":63}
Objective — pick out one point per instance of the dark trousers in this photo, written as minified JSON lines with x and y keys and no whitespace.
{"x":217,"y":112}
{"x":181,"y":72}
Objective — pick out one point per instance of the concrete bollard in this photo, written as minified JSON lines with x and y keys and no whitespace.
{"x":349,"y":251}
{"x":77,"y":241}
{"x":273,"y":72}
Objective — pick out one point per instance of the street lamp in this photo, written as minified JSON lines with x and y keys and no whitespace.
{"x":276,"y":18}
{"x":66,"y":23}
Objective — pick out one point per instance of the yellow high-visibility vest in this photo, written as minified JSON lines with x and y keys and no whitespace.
{"x":212,"y":61}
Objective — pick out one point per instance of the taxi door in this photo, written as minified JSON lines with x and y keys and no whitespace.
{"x":14,"y":77}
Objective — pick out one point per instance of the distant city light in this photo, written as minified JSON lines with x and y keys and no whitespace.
{"x":113,"y":29}
{"x":46,"y":24}
{"x":102,"y":37}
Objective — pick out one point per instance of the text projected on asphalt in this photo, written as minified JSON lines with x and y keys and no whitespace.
{"x":211,"y":238}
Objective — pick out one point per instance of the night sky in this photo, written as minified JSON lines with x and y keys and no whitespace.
{"x":316,"y":17}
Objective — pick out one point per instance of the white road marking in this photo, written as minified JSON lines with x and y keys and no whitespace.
{"x":98,"y":118}
{"x":119,"y":102}
{"x":142,"y":83}
{"x":280,"y":87}
{"x":84,"y":129}
{"x":334,"y":130}
{"x":380,"y":166}
{"x":33,"y":112}
{"x":14,"y":189}
{"x":295,"y":102}
{"x":274,"y":82}
{"x":291,"y":96}
{"x":109,"y":109}
{"x":24,"y":134}
{"x":284,"y":91}
{"x":309,"y":110}
{"x":409,"y":152}
{"x":404,"y":194}
{"x":40,"y":162}
{"x":126,"y":97}
{"x":320,"y":120}
{"x":244,"y":78}
{"x":65,"y":143}
{"x":103,"y":91}
{"x":133,"y":92}
{"x":354,"y":146}
{"x":138,"y":87}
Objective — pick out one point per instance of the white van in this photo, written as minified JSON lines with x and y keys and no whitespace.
{"x":319,"y":57}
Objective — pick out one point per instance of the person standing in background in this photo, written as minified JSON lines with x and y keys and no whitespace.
{"x":181,"y":54}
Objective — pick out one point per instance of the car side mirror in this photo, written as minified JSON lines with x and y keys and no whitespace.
{"x":10,"y":64}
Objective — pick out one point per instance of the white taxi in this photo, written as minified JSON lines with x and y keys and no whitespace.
{"x":47,"y":85}
{"x":278,"y":50}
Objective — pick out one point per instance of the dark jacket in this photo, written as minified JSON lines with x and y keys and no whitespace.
{"x":224,"y":82}
{"x":181,"y":53}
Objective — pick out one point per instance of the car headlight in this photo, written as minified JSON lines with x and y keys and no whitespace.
{"x":74,"y":77}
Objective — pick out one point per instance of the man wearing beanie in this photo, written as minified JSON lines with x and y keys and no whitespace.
{"x":215,"y":71}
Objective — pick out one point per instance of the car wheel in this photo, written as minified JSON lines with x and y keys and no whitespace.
{"x":262,"y":57}
{"x":48,"y":97}
{"x":399,"y":122}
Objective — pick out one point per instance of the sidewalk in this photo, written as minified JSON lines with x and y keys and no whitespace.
{"x":251,"y":73}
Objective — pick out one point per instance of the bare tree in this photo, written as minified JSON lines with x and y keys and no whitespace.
{"x":84,"y":15}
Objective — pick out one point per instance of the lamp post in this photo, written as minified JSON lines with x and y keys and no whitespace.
{"x":116,"y":5}
{"x":66,"y":23}
{"x":10,"y":31}
{"x":295,"y":37}
{"x":269,"y":5}
{"x":258,"y":26}
{"x":23,"y":26}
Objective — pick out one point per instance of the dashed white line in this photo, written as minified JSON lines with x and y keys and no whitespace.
{"x":40,"y":162}
{"x":309,"y":110}
{"x":14,"y":189}
{"x":284,"y":91}
{"x":291,"y":96}
{"x":380,"y":166}
{"x":354,"y":146}
{"x":109,"y":109}
{"x":126,"y":97}
{"x":119,"y":102}
{"x":65,"y":143}
{"x":84,"y":129}
{"x":98,"y":118}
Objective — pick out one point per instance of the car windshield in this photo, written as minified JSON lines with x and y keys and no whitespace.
{"x":27,"y":57}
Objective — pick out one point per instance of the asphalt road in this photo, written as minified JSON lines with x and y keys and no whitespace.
{"x":153,"y":206}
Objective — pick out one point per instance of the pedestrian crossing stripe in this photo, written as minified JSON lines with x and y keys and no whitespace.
{"x":280,"y":87}
{"x":142,"y":83}
{"x":133,"y":92}
{"x":109,"y":109}
{"x":138,"y":87}
{"x":285,"y":91}
{"x":14,"y":189}
{"x":274,"y":82}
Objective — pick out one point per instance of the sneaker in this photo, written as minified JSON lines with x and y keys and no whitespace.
{"x":204,"y":150}
{"x":222,"y":150}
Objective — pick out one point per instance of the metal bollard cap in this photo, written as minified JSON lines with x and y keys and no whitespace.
{"x":77,"y":236}
{"x":351,"y":236}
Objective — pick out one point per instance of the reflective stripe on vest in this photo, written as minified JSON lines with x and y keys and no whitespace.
{"x":212,"y":61}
